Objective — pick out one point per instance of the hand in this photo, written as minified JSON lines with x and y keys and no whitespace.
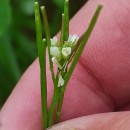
{"x":100,"y":82}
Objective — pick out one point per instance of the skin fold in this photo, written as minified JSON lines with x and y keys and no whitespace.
{"x":99,"y":88}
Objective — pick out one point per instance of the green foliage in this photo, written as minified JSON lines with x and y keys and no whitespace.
{"x":17,"y":37}
{"x":5,"y":15}
{"x":59,"y":3}
{"x":17,"y":46}
{"x":26,"y":6}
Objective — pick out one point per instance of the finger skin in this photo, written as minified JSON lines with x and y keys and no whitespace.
{"x":100,"y":82}
{"x":107,"y":121}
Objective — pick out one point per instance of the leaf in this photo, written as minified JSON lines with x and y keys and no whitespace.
{"x":5,"y":15}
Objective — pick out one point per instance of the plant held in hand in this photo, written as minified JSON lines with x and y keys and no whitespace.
{"x":64,"y":53}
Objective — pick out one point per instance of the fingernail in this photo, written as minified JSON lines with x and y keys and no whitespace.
{"x":62,"y":127}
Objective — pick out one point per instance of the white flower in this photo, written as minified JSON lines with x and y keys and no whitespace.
{"x":66,"y":51}
{"x":61,"y":81}
{"x":73,"y":39}
{"x":54,"y":41}
{"x":54,"y":60}
{"x":55,"y":52}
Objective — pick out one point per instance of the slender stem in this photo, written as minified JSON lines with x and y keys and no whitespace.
{"x":56,"y":90}
{"x":77,"y":56}
{"x":59,"y":107}
{"x":82,"y":44}
{"x":66,"y":21}
{"x":52,"y":108}
{"x":62,"y":31}
{"x":53,"y":103}
{"x":48,"y":41}
{"x":42,"y":61}
{"x":64,"y":37}
{"x":60,"y":100}
{"x":43,"y":82}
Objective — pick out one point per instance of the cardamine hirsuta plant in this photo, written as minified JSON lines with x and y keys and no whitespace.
{"x":64,"y":53}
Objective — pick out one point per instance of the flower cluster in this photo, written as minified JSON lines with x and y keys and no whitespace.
{"x":62,"y":53}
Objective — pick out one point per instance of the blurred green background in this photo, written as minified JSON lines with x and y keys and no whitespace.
{"x":17,"y":37}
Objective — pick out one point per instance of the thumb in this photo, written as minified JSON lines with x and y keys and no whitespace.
{"x":107,"y":121}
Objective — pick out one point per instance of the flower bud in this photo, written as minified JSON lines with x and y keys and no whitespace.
{"x":55,"y":52}
{"x":54,"y":42}
{"x":54,"y":60}
{"x":66,"y":51}
{"x":73,"y":39}
{"x":61,"y":81}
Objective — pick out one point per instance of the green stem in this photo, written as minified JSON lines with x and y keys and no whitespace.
{"x":42,"y":61}
{"x":47,"y":30}
{"x":82,"y":45}
{"x":60,"y":100}
{"x":78,"y":54}
{"x":54,"y":102}
{"x":59,"y":107}
{"x":66,"y":21}
{"x":43,"y":83}
{"x":52,"y":109}
{"x":62,"y":35}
